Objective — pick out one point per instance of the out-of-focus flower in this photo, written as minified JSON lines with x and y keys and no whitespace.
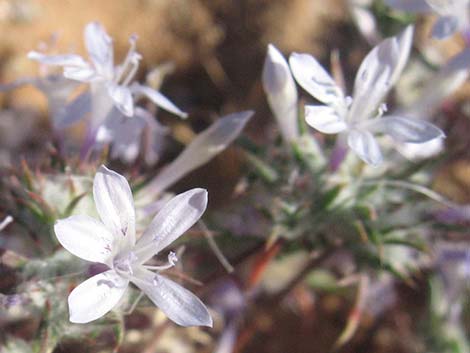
{"x":109,"y":104}
{"x":125,"y":134}
{"x":453,"y":15}
{"x":441,"y":85}
{"x":453,"y":264}
{"x":454,"y":215}
{"x":281,"y":92}
{"x":364,"y":20}
{"x":112,"y":241}
{"x":230,"y":302}
{"x":352,"y":115}
{"x":444,"y":83}
{"x":57,"y":89}
{"x":117,"y":80}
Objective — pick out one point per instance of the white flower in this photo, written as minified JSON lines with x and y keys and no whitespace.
{"x":453,"y":15}
{"x":281,"y":92}
{"x":112,"y":241}
{"x":117,"y":80}
{"x":352,"y":116}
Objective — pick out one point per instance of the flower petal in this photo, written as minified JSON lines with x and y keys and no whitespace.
{"x":281,"y":92}
{"x":72,"y":112}
{"x":378,"y":73}
{"x":158,"y":99}
{"x":155,"y":133}
{"x":314,"y":79}
{"x":409,"y":5}
{"x":115,"y":205}
{"x":125,"y":134}
{"x":96,"y":296}
{"x":202,"y":149}
{"x":86,"y":238}
{"x":100,"y":48}
{"x":365,"y":21}
{"x":447,"y":7}
{"x":175,"y":218}
{"x":445,"y":26}
{"x":365,"y":146}
{"x":441,"y":85}
{"x":407,"y":130}
{"x":325,"y":119}
{"x":82,"y":74}
{"x":19,"y":83}
{"x":178,"y":303}
{"x":58,"y":60}
{"x":122,"y":98}
{"x":415,"y":151}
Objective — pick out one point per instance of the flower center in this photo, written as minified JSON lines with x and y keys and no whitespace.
{"x":123,"y":264}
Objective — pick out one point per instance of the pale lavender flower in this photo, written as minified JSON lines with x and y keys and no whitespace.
{"x":453,"y":265}
{"x":453,"y":15}
{"x":112,"y":241}
{"x":10,"y":300}
{"x":455,"y":214}
{"x":57,"y":89}
{"x":353,"y":116}
{"x":100,"y":70}
{"x":230,"y":302}
{"x":111,"y":98}
{"x":281,"y":92}
{"x":126,"y":134}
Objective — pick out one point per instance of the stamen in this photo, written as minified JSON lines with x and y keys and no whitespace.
{"x":382,"y":109}
{"x":130,"y":64}
{"x":124,"y":264}
{"x":172,"y":260}
{"x":134,"y":66}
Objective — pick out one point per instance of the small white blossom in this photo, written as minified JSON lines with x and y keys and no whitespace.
{"x":112,"y":241}
{"x":453,"y":15}
{"x":281,"y":92}
{"x":353,"y":115}
{"x":100,"y":70}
